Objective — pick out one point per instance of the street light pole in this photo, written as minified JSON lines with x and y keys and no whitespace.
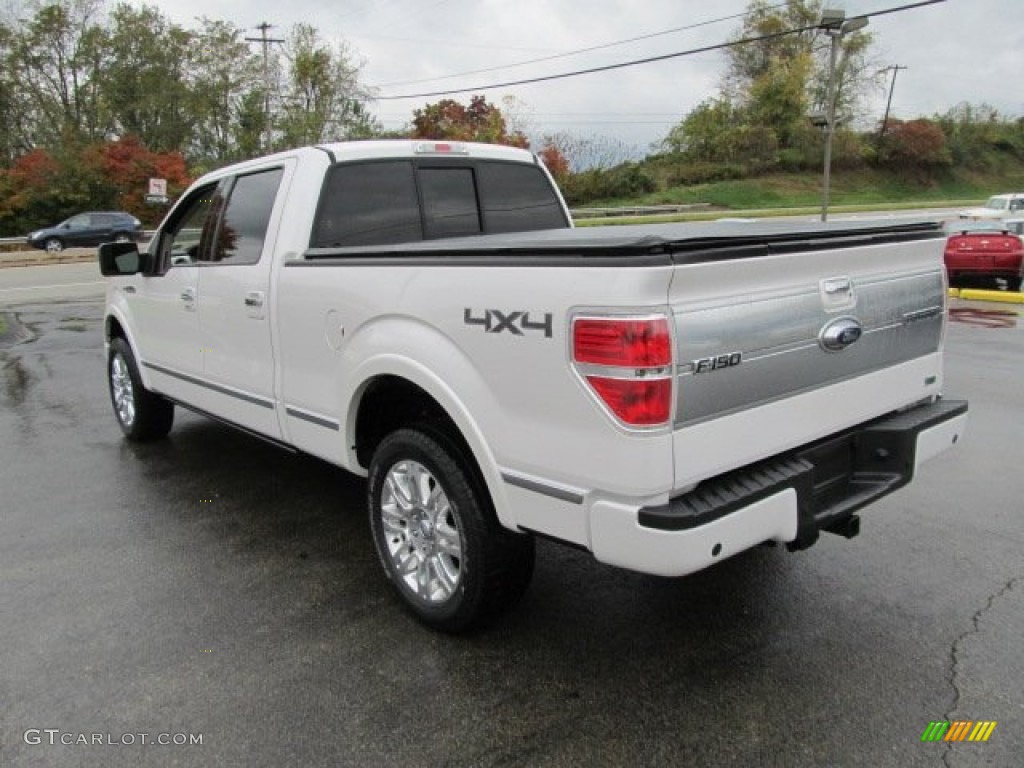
{"x":836,"y":26}
{"x":830,"y":119}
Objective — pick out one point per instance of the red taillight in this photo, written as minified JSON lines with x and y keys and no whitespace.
{"x":626,"y":343}
{"x":627,"y":362}
{"x":643,"y":403}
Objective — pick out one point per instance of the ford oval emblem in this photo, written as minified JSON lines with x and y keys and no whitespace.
{"x":840,"y":333}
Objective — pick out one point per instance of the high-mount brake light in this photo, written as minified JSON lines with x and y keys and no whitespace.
{"x":627,"y":363}
{"x":441,"y":148}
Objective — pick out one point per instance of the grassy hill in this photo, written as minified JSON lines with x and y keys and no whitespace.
{"x":862,"y":186}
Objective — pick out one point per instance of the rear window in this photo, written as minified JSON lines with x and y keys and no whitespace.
{"x":518,"y":198}
{"x":368,"y":204}
{"x":402,"y":201}
{"x":450,"y":208}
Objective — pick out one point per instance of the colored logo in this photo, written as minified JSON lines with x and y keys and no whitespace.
{"x":958,"y":730}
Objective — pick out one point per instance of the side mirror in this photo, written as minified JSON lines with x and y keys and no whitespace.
{"x":119,"y":259}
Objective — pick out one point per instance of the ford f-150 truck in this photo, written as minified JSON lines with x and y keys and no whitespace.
{"x":424,"y":314}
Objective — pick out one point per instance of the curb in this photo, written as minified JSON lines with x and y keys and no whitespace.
{"x":977,"y":294}
{"x":30,"y":259}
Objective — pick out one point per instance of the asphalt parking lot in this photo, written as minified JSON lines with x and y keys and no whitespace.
{"x":216,"y":587}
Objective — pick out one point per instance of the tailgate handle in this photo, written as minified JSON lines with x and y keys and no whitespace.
{"x":836,"y":285}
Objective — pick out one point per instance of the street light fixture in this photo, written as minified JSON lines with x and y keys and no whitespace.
{"x":835,"y":24}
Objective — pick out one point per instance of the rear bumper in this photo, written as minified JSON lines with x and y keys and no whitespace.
{"x":789,"y":498}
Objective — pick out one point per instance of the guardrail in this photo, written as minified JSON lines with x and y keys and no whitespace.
{"x":9,"y":244}
{"x":635,"y":210}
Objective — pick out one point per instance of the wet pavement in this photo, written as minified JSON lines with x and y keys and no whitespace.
{"x":211,"y":585}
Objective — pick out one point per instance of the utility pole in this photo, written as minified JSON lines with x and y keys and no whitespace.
{"x":265,"y":42}
{"x":892,"y":86}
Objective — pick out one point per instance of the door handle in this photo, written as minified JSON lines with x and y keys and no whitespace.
{"x":189,"y":294}
{"x":254,"y":299}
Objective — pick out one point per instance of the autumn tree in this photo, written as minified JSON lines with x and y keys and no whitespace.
{"x":479,"y":121}
{"x":554,"y":161}
{"x":916,"y":147}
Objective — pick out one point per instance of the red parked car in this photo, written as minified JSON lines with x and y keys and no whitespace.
{"x":984,"y":251}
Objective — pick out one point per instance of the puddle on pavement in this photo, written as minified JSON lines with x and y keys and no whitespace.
{"x":984,"y":318}
{"x":16,"y":381}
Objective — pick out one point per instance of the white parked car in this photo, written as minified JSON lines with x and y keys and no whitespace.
{"x":997,"y":207}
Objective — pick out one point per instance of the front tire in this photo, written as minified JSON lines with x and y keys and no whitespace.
{"x":53,"y":245}
{"x":142,"y":415}
{"x":444,"y":551}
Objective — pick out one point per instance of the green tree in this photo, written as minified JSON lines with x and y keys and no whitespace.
{"x":56,"y":59}
{"x":222,"y":72}
{"x":322,"y":99}
{"x":708,"y":132}
{"x":144,"y":82}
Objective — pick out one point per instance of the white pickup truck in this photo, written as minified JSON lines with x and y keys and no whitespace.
{"x":424,"y":314}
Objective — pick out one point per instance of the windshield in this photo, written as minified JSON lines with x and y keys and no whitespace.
{"x":998,"y":203}
{"x":956,"y":227}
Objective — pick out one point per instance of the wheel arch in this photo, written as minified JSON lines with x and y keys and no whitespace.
{"x":387,"y":400}
{"x":116,"y":327}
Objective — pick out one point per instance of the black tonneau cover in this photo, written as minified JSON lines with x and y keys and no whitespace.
{"x":681,"y":243}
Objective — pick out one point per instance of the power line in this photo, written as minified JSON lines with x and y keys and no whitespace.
{"x":576,"y":52}
{"x":647,"y":60}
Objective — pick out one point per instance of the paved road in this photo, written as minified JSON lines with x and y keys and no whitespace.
{"x":210,"y":585}
{"x":61,"y":282}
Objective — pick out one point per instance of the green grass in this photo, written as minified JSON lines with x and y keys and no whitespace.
{"x":870,"y":188}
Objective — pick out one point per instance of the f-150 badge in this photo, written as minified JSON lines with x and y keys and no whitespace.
{"x":516,"y":322}
{"x":708,"y":364}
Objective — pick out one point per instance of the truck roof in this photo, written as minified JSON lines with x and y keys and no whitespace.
{"x":379,"y":149}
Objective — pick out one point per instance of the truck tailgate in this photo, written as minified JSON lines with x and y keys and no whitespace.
{"x":784,"y":339}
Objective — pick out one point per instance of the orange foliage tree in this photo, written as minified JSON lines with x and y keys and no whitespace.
{"x":479,"y":121}
{"x":41,"y":188}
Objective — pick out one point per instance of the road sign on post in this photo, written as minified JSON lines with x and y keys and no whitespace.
{"x":158,"y":187}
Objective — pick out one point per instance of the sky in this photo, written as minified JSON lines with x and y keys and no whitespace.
{"x":954,"y":51}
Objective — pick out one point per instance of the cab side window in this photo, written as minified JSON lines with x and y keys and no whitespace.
{"x":243,"y":228}
{"x":189,"y":235}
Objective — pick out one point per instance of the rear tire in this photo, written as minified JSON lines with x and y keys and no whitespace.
{"x":142,"y":415}
{"x":452,"y":563}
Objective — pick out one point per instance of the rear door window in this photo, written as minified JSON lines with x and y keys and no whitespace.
{"x":243,"y":229}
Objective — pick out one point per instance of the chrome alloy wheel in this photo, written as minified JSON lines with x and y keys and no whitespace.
{"x":122,"y":390}
{"x":421,"y":532}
